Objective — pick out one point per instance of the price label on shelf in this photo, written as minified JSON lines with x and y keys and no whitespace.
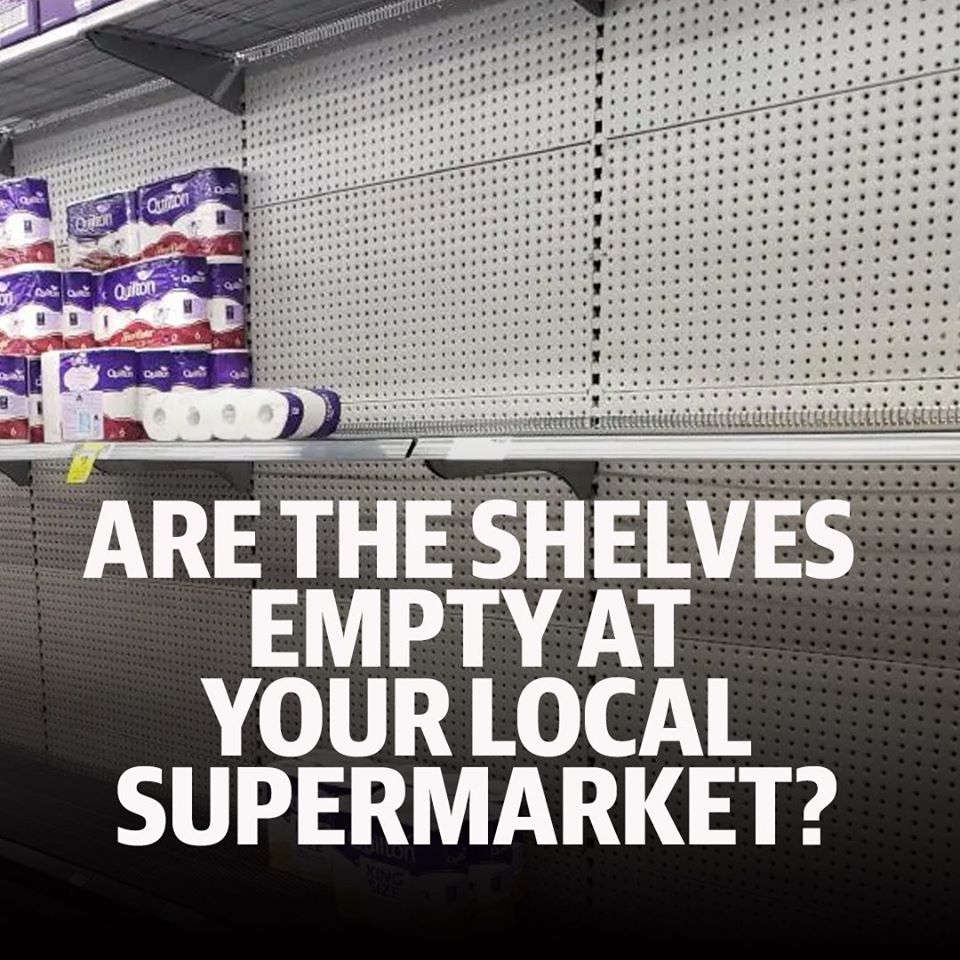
{"x":84,"y":458}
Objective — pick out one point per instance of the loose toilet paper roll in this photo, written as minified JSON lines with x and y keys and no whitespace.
{"x":321,"y":413}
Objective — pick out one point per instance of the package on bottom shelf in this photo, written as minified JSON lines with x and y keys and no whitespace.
{"x":35,"y":398}
{"x":55,"y":12}
{"x":386,"y":882}
{"x":79,"y":298}
{"x":25,"y":223}
{"x":90,"y":395}
{"x":228,"y":319}
{"x":14,"y":404}
{"x":19,"y":19}
{"x":199,"y":213}
{"x":232,"y":414}
{"x":31,"y":306}
{"x":159,"y":303}
{"x":103,"y":233}
{"x":231,"y":368}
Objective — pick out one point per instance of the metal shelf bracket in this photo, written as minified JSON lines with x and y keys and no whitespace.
{"x":238,"y":475}
{"x":6,"y":153}
{"x":578,"y":475}
{"x":213,"y":74}
{"x":591,"y":6}
{"x":17,"y":470}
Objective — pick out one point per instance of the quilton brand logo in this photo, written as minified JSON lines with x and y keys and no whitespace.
{"x":100,"y":219}
{"x":12,"y":376}
{"x":157,"y":373}
{"x":226,"y":190}
{"x":32,"y":199}
{"x":191,"y":279}
{"x":141,"y":286}
{"x":233,"y":286}
{"x":126,"y":372}
{"x":46,"y":293}
{"x":177,"y":199}
{"x":79,"y":293}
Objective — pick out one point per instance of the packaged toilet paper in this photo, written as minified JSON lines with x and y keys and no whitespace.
{"x":103,"y":233}
{"x":200,"y":213}
{"x":158,"y":303}
{"x":79,"y":299}
{"x":189,"y":370}
{"x":154,"y":376}
{"x":31,"y":305}
{"x":25,"y":223}
{"x":228,"y":321}
{"x":90,"y":395}
{"x":231,"y":368}
{"x":35,"y":399}
{"x":321,"y":413}
{"x":14,"y":405}
{"x":242,"y":415}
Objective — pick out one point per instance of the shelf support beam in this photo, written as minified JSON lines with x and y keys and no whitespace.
{"x":238,"y":475}
{"x":18,"y":471}
{"x":591,"y":6}
{"x":578,"y":475}
{"x":6,"y":153}
{"x":213,"y":74}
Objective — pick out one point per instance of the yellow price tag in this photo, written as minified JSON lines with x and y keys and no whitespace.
{"x":84,"y":458}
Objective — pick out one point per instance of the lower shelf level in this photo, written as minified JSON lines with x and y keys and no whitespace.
{"x":925,"y":447}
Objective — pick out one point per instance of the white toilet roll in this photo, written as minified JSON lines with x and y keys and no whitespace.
{"x":197,"y":416}
{"x":161,"y":418}
{"x":250,"y":414}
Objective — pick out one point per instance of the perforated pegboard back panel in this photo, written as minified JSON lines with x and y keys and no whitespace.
{"x":21,"y":699}
{"x":475,"y":82}
{"x":796,"y":260}
{"x":670,"y":63}
{"x":857,"y":674}
{"x":421,"y":214}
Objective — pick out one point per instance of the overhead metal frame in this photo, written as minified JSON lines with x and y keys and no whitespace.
{"x":591,"y":6}
{"x":216,"y":75}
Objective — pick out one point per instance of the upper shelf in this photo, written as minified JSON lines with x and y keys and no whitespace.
{"x":60,"y":71}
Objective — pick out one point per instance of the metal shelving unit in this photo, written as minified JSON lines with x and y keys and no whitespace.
{"x":768,"y":447}
{"x":133,"y":47}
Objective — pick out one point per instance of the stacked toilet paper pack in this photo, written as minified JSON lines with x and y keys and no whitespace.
{"x":143,"y":334}
{"x":25,"y":223}
{"x":142,"y":306}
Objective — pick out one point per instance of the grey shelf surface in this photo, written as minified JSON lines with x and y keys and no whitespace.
{"x":49,"y":76}
{"x":926,"y":447}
